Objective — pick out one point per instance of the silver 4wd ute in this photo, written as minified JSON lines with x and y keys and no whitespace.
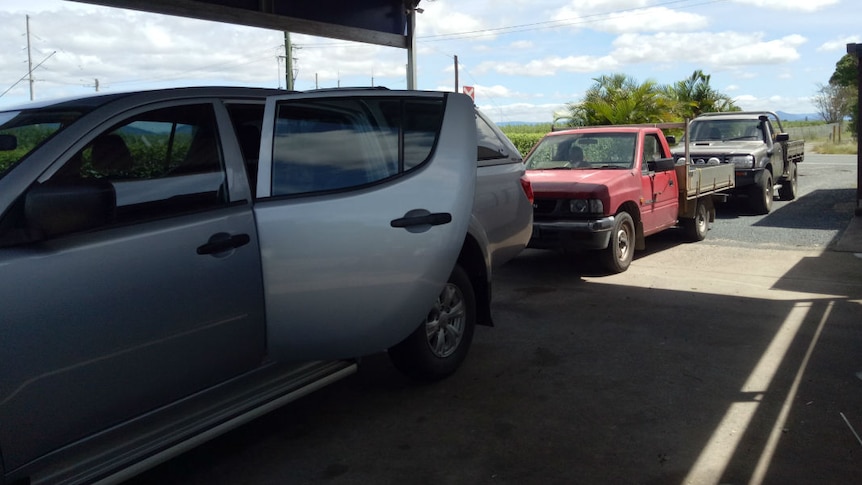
{"x":755,"y":143}
{"x":178,"y":262}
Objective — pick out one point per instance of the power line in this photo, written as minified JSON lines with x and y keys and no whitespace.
{"x":553,"y":24}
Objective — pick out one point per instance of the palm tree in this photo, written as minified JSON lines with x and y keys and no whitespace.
{"x":693,"y":96}
{"x":618,"y":99}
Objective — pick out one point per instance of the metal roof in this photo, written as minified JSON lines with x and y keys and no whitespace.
{"x":381,"y":22}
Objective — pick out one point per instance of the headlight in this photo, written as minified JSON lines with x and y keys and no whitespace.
{"x":680,"y":161}
{"x":586,"y":206}
{"x":744,"y":161}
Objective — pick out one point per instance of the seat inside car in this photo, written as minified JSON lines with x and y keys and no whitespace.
{"x":110,"y":155}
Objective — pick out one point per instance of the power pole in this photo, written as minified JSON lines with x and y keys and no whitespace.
{"x":288,"y":62}
{"x":456,"y":74}
{"x":855,"y":50}
{"x":29,"y":59}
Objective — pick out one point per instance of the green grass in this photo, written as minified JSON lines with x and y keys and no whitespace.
{"x":525,"y":137}
{"x":829,"y":148}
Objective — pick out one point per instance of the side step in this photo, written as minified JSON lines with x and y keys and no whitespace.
{"x":120,"y":453}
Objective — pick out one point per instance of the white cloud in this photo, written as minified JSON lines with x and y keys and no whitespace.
{"x":519,"y":112}
{"x":549,"y":66}
{"x":622,"y":16}
{"x":797,"y":5}
{"x":720,"y":50}
{"x":521,"y":44}
{"x":839,"y":44}
{"x":443,"y":18}
{"x":750,"y":102}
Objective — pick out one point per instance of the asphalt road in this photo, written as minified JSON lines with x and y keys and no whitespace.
{"x":827,"y":194}
{"x":732,"y":360}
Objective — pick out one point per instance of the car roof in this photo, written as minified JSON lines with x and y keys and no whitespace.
{"x":94,"y":100}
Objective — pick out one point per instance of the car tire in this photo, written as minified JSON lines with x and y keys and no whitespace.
{"x":790,"y":185}
{"x":440,"y":344}
{"x":762,"y":194}
{"x":697,"y":227}
{"x":621,"y":248}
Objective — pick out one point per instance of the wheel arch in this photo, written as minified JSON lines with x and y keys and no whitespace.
{"x":632,"y":209}
{"x":476,"y":264}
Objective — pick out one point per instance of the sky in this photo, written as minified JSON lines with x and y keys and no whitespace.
{"x":525,"y":59}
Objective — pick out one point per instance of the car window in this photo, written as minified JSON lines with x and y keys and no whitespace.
{"x":21,"y":132}
{"x":490,"y":147}
{"x":247,"y":119}
{"x":156,"y":164}
{"x":339,"y":144}
{"x":652,"y":150}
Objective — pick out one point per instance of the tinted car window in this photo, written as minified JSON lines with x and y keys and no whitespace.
{"x":157,"y":164}
{"x":21,"y":132}
{"x":326,"y":145}
{"x":490,"y":147}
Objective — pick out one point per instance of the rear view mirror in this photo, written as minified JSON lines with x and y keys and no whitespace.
{"x":661,"y":165}
{"x":782,"y":137}
{"x":671,"y":140}
{"x":8,"y":142}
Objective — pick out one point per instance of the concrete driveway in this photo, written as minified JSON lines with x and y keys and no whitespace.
{"x":701,"y":364}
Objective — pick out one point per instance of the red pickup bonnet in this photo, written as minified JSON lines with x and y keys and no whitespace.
{"x":577,"y":182}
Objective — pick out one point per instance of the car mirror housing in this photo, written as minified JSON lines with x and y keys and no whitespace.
{"x":57,"y":209}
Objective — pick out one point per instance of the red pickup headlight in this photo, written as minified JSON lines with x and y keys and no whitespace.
{"x":586,"y":206}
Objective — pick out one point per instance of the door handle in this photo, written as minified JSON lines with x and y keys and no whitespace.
{"x":222,"y":242}
{"x":421,"y":217}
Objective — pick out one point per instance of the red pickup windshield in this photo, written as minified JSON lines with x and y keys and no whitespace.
{"x":584,"y":151}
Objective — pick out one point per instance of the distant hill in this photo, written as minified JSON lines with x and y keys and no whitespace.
{"x":781,"y":114}
{"x":798,"y":117}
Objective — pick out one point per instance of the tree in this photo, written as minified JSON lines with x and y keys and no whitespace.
{"x":846,"y":71}
{"x":833,"y":102}
{"x":619,"y":99}
{"x":693,"y":96}
{"x":845,"y":78}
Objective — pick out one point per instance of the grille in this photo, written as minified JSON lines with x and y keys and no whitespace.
{"x":545,"y":206}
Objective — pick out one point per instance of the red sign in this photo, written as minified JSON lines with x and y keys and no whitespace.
{"x":469,"y":91}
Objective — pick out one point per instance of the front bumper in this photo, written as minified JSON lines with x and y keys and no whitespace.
{"x":572,"y":235}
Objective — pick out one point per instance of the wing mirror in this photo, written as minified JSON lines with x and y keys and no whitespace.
{"x":661,"y":165}
{"x":57,"y":209}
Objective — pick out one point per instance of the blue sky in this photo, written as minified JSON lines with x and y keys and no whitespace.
{"x":525,"y":58}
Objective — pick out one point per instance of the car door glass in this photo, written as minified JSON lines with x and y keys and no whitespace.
{"x":156,"y":164}
{"x":489,"y":145}
{"x":652,"y":151}
{"x":341,"y":144}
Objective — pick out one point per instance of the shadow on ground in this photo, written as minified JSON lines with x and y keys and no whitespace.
{"x":586,"y":382}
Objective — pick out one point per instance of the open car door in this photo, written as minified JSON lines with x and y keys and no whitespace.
{"x":363,"y":202}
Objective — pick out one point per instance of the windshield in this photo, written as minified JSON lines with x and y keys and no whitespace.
{"x":23,"y":131}
{"x":584,"y":151}
{"x":726,"y":130}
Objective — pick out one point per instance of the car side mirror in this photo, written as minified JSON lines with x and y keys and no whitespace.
{"x":57,"y":209}
{"x":671,"y":140}
{"x":661,"y":165}
{"x":8,"y":142}
{"x":782,"y":137}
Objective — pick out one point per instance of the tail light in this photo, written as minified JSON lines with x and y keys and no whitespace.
{"x":528,"y":188}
